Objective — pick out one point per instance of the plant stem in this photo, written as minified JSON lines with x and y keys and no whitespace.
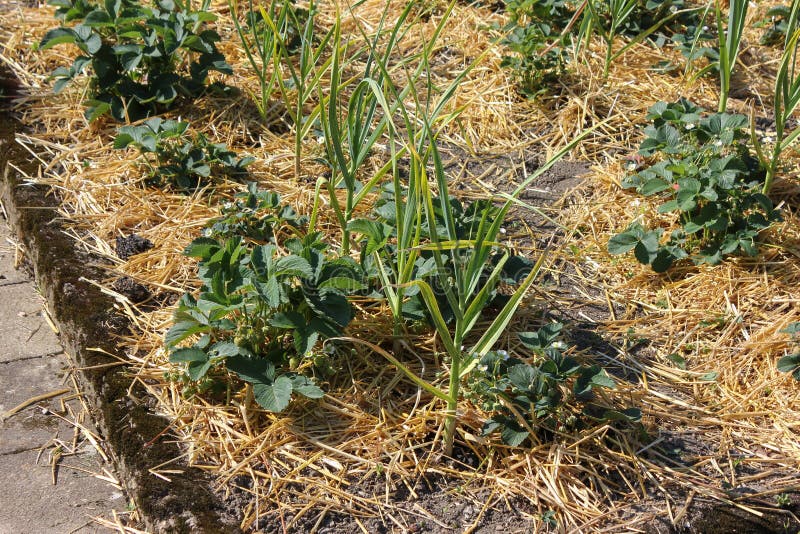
{"x":452,"y":404}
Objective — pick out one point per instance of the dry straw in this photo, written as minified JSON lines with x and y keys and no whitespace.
{"x":729,"y":405}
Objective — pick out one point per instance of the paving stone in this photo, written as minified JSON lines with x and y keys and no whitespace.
{"x":23,"y":330}
{"x":32,"y":504}
{"x":8,"y":274}
{"x":22,"y":379}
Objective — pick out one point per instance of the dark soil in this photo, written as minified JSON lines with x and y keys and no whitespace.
{"x":132,"y":245}
{"x":133,"y":290}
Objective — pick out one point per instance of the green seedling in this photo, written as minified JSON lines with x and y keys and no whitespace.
{"x":173,"y":158}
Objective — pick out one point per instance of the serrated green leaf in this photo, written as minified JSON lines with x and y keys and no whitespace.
{"x":522,"y":376}
{"x":202,"y":247}
{"x":342,"y":283}
{"x":183,"y":329}
{"x":789,"y":364}
{"x":253,"y":370}
{"x":186,"y":355}
{"x":293,"y":266}
{"x":656,"y":185}
{"x":274,"y":396}
{"x":622,"y":243}
{"x":513,"y":436}
{"x":288,"y":320}
{"x":225,"y":349}
{"x":306,"y":387}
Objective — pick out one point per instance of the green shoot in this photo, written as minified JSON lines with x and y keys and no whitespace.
{"x":787,"y":98}
{"x":730,"y":38}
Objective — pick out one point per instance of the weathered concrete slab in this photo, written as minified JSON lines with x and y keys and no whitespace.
{"x":32,"y":504}
{"x":22,"y":379}
{"x":8,"y":274}
{"x":23,"y":330}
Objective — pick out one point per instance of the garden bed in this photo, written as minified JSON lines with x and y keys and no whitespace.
{"x":693,"y":350}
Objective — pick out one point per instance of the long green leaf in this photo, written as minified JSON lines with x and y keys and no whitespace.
{"x":498,"y":326}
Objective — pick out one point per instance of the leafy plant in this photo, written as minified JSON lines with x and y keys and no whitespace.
{"x":698,"y":42}
{"x":608,"y":27}
{"x":302,"y":50}
{"x":459,"y":273}
{"x":382,"y":234}
{"x":350,"y":132}
{"x":139,"y":55}
{"x":707,"y":176}
{"x":542,"y":33}
{"x":635,"y":19}
{"x":542,"y":392}
{"x":178,"y":160}
{"x":538,"y":47}
{"x":260,"y":313}
{"x":777,"y":25}
{"x":791,"y":363}
{"x":254,"y":215}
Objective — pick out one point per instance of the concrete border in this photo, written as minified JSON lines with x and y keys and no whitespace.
{"x":84,"y":316}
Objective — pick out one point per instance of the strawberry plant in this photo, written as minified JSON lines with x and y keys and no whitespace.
{"x":174,"y":158}
{"x":254,"y":215}
{"x":541,"y":392}
{"x":538,"y":53}
{"x":702,"y":168}
{"x":142,"y":58}
{"x":260,"y":313}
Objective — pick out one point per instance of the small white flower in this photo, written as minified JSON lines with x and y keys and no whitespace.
{"x":502,"y":231}
{"x":705,"y":28}
{"x":481,"y":368}
{"x":718,"y":142}
{"x":559,"y":345}
{"x":504,"y":354}
{"x":689,"y":126}
{"x":635,"y":203}
{"x":766,"y":139}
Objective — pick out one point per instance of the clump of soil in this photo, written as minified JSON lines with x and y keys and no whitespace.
{"x":132,"y":245}
{"x":133,"y":290}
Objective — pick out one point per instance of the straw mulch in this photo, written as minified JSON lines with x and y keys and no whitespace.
{"x":733,"y":416}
